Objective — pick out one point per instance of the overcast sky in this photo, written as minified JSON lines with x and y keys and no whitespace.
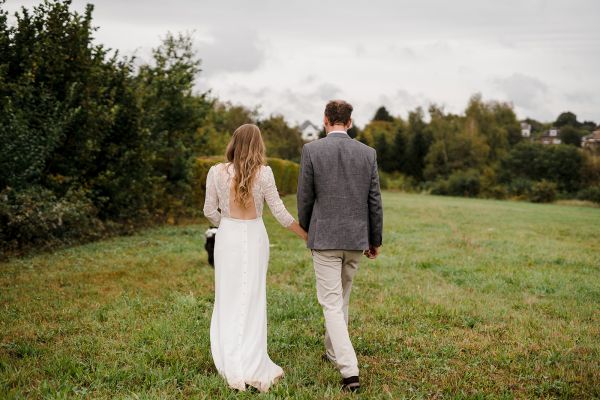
{"x":291,"y":57}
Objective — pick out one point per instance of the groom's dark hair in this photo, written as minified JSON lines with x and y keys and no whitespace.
{"x":338,"y":112}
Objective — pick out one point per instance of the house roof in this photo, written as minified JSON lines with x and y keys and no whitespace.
{"x":307,"y":124}
{"x":593,"y":136}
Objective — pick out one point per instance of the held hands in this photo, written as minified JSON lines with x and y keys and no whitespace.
{"x":297,"y":229}
{"x":304,"y":235}
{"x":373,"y":252}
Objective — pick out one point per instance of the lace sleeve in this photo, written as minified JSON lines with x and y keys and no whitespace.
{"x":211,"y":200}
{"x":274,"y":201}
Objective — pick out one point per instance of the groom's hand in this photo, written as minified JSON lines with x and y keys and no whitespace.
{"x":373,"y":252}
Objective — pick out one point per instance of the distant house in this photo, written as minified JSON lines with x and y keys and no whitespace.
{"x":591,"y":141}
{"x":525,"y":129}
{"x":551,"y":136}
{"x":309,"y":131}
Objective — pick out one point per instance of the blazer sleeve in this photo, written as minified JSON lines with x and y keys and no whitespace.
{"x":375,"y":208}
{"x":211,"y":199}
{"x":306,"y":190}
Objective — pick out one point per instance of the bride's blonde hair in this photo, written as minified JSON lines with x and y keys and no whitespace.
{"x":246,"y":152}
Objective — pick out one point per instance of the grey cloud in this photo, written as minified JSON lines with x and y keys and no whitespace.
{"x":524,"y":91}
{"x":327,"y":91}
{"x":580,"y":97}
{"x":439,"y":49}
{"x":231,"y":51}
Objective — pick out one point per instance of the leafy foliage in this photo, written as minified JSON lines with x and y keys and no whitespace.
{"x":281,"y":140}
{"x":543,"y":192}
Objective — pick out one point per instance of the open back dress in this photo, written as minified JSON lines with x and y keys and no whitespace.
{"x":238,"y":329}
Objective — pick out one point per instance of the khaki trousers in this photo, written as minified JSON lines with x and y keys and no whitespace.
{"x":334,"y":270}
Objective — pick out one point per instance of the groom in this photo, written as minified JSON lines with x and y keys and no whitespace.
{"x":339,"y":205}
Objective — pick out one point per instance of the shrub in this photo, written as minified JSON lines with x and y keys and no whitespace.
{"x":464,"y":183}
{"x":520,"y":187}
{"x":543,"y":192}
{"x":561,"y":164}
{"x":201,"y":167}
{"x":439,"y":187}
{"x":286,"y":175}
{"x":395,"y":181}
{"x":36,"y":217}
{"x":591,"y":194}
{"x":496,"y":192}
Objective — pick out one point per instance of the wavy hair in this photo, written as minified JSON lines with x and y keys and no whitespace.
{"x":246,"y":152}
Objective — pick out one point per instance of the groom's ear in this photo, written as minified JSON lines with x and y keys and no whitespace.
{"x":325,"y":120}
{"x":350,"y":124}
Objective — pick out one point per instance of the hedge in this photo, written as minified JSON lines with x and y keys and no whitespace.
{"x":285,"y":172}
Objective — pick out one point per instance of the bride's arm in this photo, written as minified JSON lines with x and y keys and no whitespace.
{"x":278,"y":208}
{"x":297,"y":229}
{"x":211,"y":200}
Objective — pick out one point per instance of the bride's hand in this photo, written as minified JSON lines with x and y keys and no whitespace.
{"x":297,"y":229}
{"x":304,"y":235}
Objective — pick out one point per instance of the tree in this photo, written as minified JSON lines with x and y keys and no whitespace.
{"x":566,"y":118}
{"x":385,"y":153}
{"x":571,"y":135}
{"x":382,"y":114}
{"x":418,"y":144}
{"x":589,"y":126}
{"x":172,"y":115}
{"x":494,"y":121}
{"x":454,"y":147}
{"x":71,"y":120}
{"x":352,"y":132}
{"x":561,"y":164}
{"x":219,"y":124}
{"x":281,"y":140}
{"x":399,"y":150}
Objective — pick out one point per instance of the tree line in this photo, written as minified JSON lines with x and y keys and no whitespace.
{"x":482,"y":153}
{"x":93,"y":142}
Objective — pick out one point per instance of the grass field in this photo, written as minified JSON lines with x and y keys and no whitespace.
{"x":470,"y":299}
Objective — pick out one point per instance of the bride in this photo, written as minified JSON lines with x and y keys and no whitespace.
{"x":235,"y":194}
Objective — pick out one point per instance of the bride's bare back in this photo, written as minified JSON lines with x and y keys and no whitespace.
{"x":239,"y":211}
{"x":220,"y":196}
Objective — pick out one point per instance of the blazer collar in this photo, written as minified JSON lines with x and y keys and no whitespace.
{"x":339,"y":134}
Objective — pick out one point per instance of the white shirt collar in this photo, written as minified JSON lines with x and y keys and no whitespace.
{"x":344,"y":132}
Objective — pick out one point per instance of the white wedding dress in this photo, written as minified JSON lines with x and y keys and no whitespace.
{"x":238,"y":329}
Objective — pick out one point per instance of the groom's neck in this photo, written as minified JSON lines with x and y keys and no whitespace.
{"x":336,"y":128}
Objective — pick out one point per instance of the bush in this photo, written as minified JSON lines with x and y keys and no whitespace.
{"x":464,"y":183}
{"x":439,"y":187}
{"x":460,"y":183}
{"x":591,"y":194}
{"x":520,"y":187}
{"x":35,"y":217}
{"x":286,"y":175}
{"x":395,"y":181}
{"x":543,"y":192}
{"x":561,"y":164}
{"x":496,"y":192}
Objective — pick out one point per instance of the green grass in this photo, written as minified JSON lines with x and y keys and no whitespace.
{"x":469,"y":299}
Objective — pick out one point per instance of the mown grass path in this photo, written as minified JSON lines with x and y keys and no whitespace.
{"x":469,"y":299}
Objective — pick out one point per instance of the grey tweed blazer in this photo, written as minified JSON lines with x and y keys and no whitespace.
{"x":339,"y":201}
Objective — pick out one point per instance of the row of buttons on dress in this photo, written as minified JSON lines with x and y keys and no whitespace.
{"x":244,"y":283}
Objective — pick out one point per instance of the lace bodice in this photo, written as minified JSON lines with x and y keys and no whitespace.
{"x":218,"y":186}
